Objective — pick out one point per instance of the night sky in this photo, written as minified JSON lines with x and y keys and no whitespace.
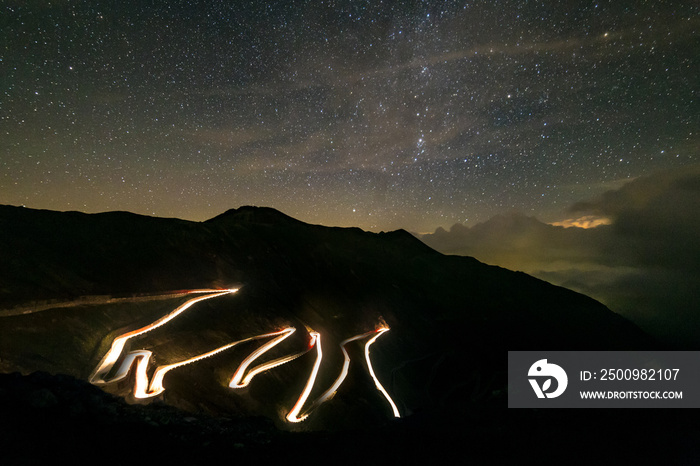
{"x":381,"y":115}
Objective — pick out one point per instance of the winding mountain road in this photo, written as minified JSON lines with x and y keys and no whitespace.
{"x":119,"y":365}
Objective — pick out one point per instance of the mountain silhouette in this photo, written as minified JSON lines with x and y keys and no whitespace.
{"x":72,"y":282}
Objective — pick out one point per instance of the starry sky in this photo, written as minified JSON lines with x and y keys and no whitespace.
{"x":375,"y":114}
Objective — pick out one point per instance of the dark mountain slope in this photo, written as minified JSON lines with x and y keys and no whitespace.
{"x":53,"y":255}
{"x":452,"y":318}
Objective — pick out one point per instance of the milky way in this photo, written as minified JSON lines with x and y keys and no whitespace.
{"x":375,"y":114}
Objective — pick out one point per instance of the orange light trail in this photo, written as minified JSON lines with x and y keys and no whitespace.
{"x":242,"y":376}
{"x":141,"y":358}
{"x":142,"y":389}
{"x":108,"y":361}
{"x":237,"y":381}
{"x":156,"y":386}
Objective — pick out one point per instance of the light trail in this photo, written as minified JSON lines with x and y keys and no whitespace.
{"x":142,"y":389}
{"x":156,"y":385}
{"x":237,"y":381}
{"x":242,"y":375}
{"x":330,"y":393}
{"x":380,"y":332}
{"x":293,"y":415}
{"x":141,"y":358}
{"x":109,"y":359}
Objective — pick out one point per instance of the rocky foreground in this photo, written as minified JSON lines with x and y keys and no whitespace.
{"x":45,"y":417}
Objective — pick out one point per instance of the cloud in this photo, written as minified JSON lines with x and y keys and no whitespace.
{"x":587,"y":221}
{"x":658,"y":217}
{"x":635,"y":248}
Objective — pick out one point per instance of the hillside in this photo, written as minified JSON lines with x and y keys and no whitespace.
{"x":72,"y":282}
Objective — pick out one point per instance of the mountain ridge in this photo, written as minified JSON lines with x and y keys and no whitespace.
{"x":444,"y":312}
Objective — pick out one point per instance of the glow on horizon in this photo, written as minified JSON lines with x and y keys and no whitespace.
{"x":585,"y":222}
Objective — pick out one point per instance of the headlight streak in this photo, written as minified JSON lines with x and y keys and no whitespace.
{"x":141,"y":358}
{"x":108,"y":361}
{"x":156,"y":386}
{"x":242,"y":376}
{"x":293,"y":415}
{"x":237,"y":381}
{"x":330,"y":393}
{"x":380,"y":332}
